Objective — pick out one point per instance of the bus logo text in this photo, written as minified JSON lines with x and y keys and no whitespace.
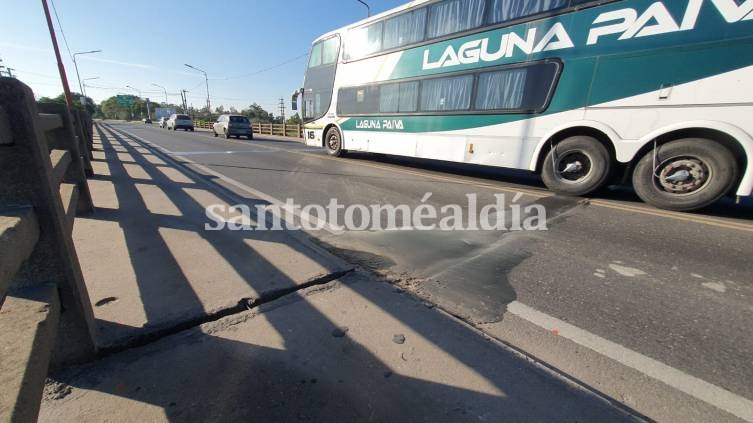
{"x":388,"y":124}
{"x":628,"y":23}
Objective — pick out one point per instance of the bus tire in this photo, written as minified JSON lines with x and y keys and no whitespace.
{"x":707,"y":171}
{"x":333,"y":142}
{"x":577,"y":165}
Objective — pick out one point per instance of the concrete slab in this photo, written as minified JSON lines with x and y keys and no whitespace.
{"x":148,"y":261}
{"x":32,"y":316}
{"x":351,"y":350}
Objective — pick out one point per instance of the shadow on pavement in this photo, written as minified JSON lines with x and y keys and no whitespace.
{"x":347,"y":350}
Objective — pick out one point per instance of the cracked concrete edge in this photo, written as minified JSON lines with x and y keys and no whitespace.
{"x":183,"y":323}
{"x":57,"y":387}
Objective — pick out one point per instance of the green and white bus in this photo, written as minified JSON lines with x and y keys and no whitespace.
{"x":583,"y":92}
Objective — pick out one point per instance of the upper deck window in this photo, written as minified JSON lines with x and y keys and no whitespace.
{"x":365,"y":41}
{"x":508,"y":10}
{"x":451,"y":16}
{"x":444,"y":18}
{"x":404,"y":29}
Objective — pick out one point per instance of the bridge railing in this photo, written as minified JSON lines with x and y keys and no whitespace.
{"x":278,"y":129}
{"x":42,"y":293}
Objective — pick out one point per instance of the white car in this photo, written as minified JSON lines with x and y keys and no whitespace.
{"x":183,"y":122}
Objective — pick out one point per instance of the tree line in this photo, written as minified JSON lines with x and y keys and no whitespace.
{"x":112,"y":109}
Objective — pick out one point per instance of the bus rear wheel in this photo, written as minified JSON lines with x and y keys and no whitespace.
{"x":578,"y":165}
{"x":333,"y":142}
{"x":685,"y":175}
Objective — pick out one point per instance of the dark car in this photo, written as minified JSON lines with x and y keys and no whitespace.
{"x":233,"y":125}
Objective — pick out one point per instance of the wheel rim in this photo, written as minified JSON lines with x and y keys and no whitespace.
{"x":682,"y":175}
{"x":333,"y":141}
{"x":573,"y":167}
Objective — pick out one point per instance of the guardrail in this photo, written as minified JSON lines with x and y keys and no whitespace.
{"x":282,"y":130}
{"x":42,"y":292}
{"x":278,"y":129}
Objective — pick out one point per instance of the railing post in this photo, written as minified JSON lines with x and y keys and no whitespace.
{"x":66,"y":139}
{"x":29,"y":178}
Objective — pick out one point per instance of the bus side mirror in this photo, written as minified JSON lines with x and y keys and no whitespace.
{"x":294,"y":100}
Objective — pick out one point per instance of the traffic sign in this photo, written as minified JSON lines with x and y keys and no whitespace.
{"x":126,"y":100}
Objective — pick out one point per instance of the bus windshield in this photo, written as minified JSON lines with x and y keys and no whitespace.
{"x":320,"y":78}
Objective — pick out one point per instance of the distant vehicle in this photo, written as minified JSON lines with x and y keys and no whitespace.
{"x":233,"y":125}
{"x":163,"y":122}
{"x":147,"y":121}
{"x":585,"y":93}
{"x":183,"y":122}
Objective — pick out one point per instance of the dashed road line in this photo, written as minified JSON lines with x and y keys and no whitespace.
{"x":711,"y":394}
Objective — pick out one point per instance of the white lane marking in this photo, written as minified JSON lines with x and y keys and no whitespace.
{"x":629,"y":272}
{"x":311,"y":220}
{"x":715,"y":286}
{"x":677,"y":379}
{"x":718,"y":397}
{"x":203,"y":153}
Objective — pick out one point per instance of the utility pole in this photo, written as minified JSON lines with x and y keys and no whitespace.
{"x":61,"y":68}
{"x":184,"y":100}
{"x":282,"y":109}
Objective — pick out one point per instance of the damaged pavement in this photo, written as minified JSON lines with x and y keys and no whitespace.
{"x":195,"y":325}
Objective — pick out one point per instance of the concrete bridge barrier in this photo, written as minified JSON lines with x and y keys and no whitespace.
{"x":44,"y":160}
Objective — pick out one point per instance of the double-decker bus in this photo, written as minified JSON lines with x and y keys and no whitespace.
{"x":583,"y":92}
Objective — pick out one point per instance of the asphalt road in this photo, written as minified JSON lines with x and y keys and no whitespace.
{"x":675,"y":288}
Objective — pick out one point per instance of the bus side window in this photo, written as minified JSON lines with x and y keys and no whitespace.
{"x":446,"y":94}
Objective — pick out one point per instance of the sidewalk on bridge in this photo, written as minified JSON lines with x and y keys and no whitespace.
{"x":289,"y":331}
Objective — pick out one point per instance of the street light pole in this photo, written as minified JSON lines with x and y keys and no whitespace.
{"x":148,"y":112}
{"x":368,"y":8}
{"x":84,"y":85}
{"x":206,"y":79}
{"x":163,"y":89}
{"x":75,"y":64}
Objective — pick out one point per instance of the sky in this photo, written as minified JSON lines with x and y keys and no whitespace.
{"x":147,"y":42}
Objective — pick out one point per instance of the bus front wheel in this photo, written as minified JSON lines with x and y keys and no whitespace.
{"x":577,"y":165}
{"x":333,"y":142}
{"x":685,"y":175}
